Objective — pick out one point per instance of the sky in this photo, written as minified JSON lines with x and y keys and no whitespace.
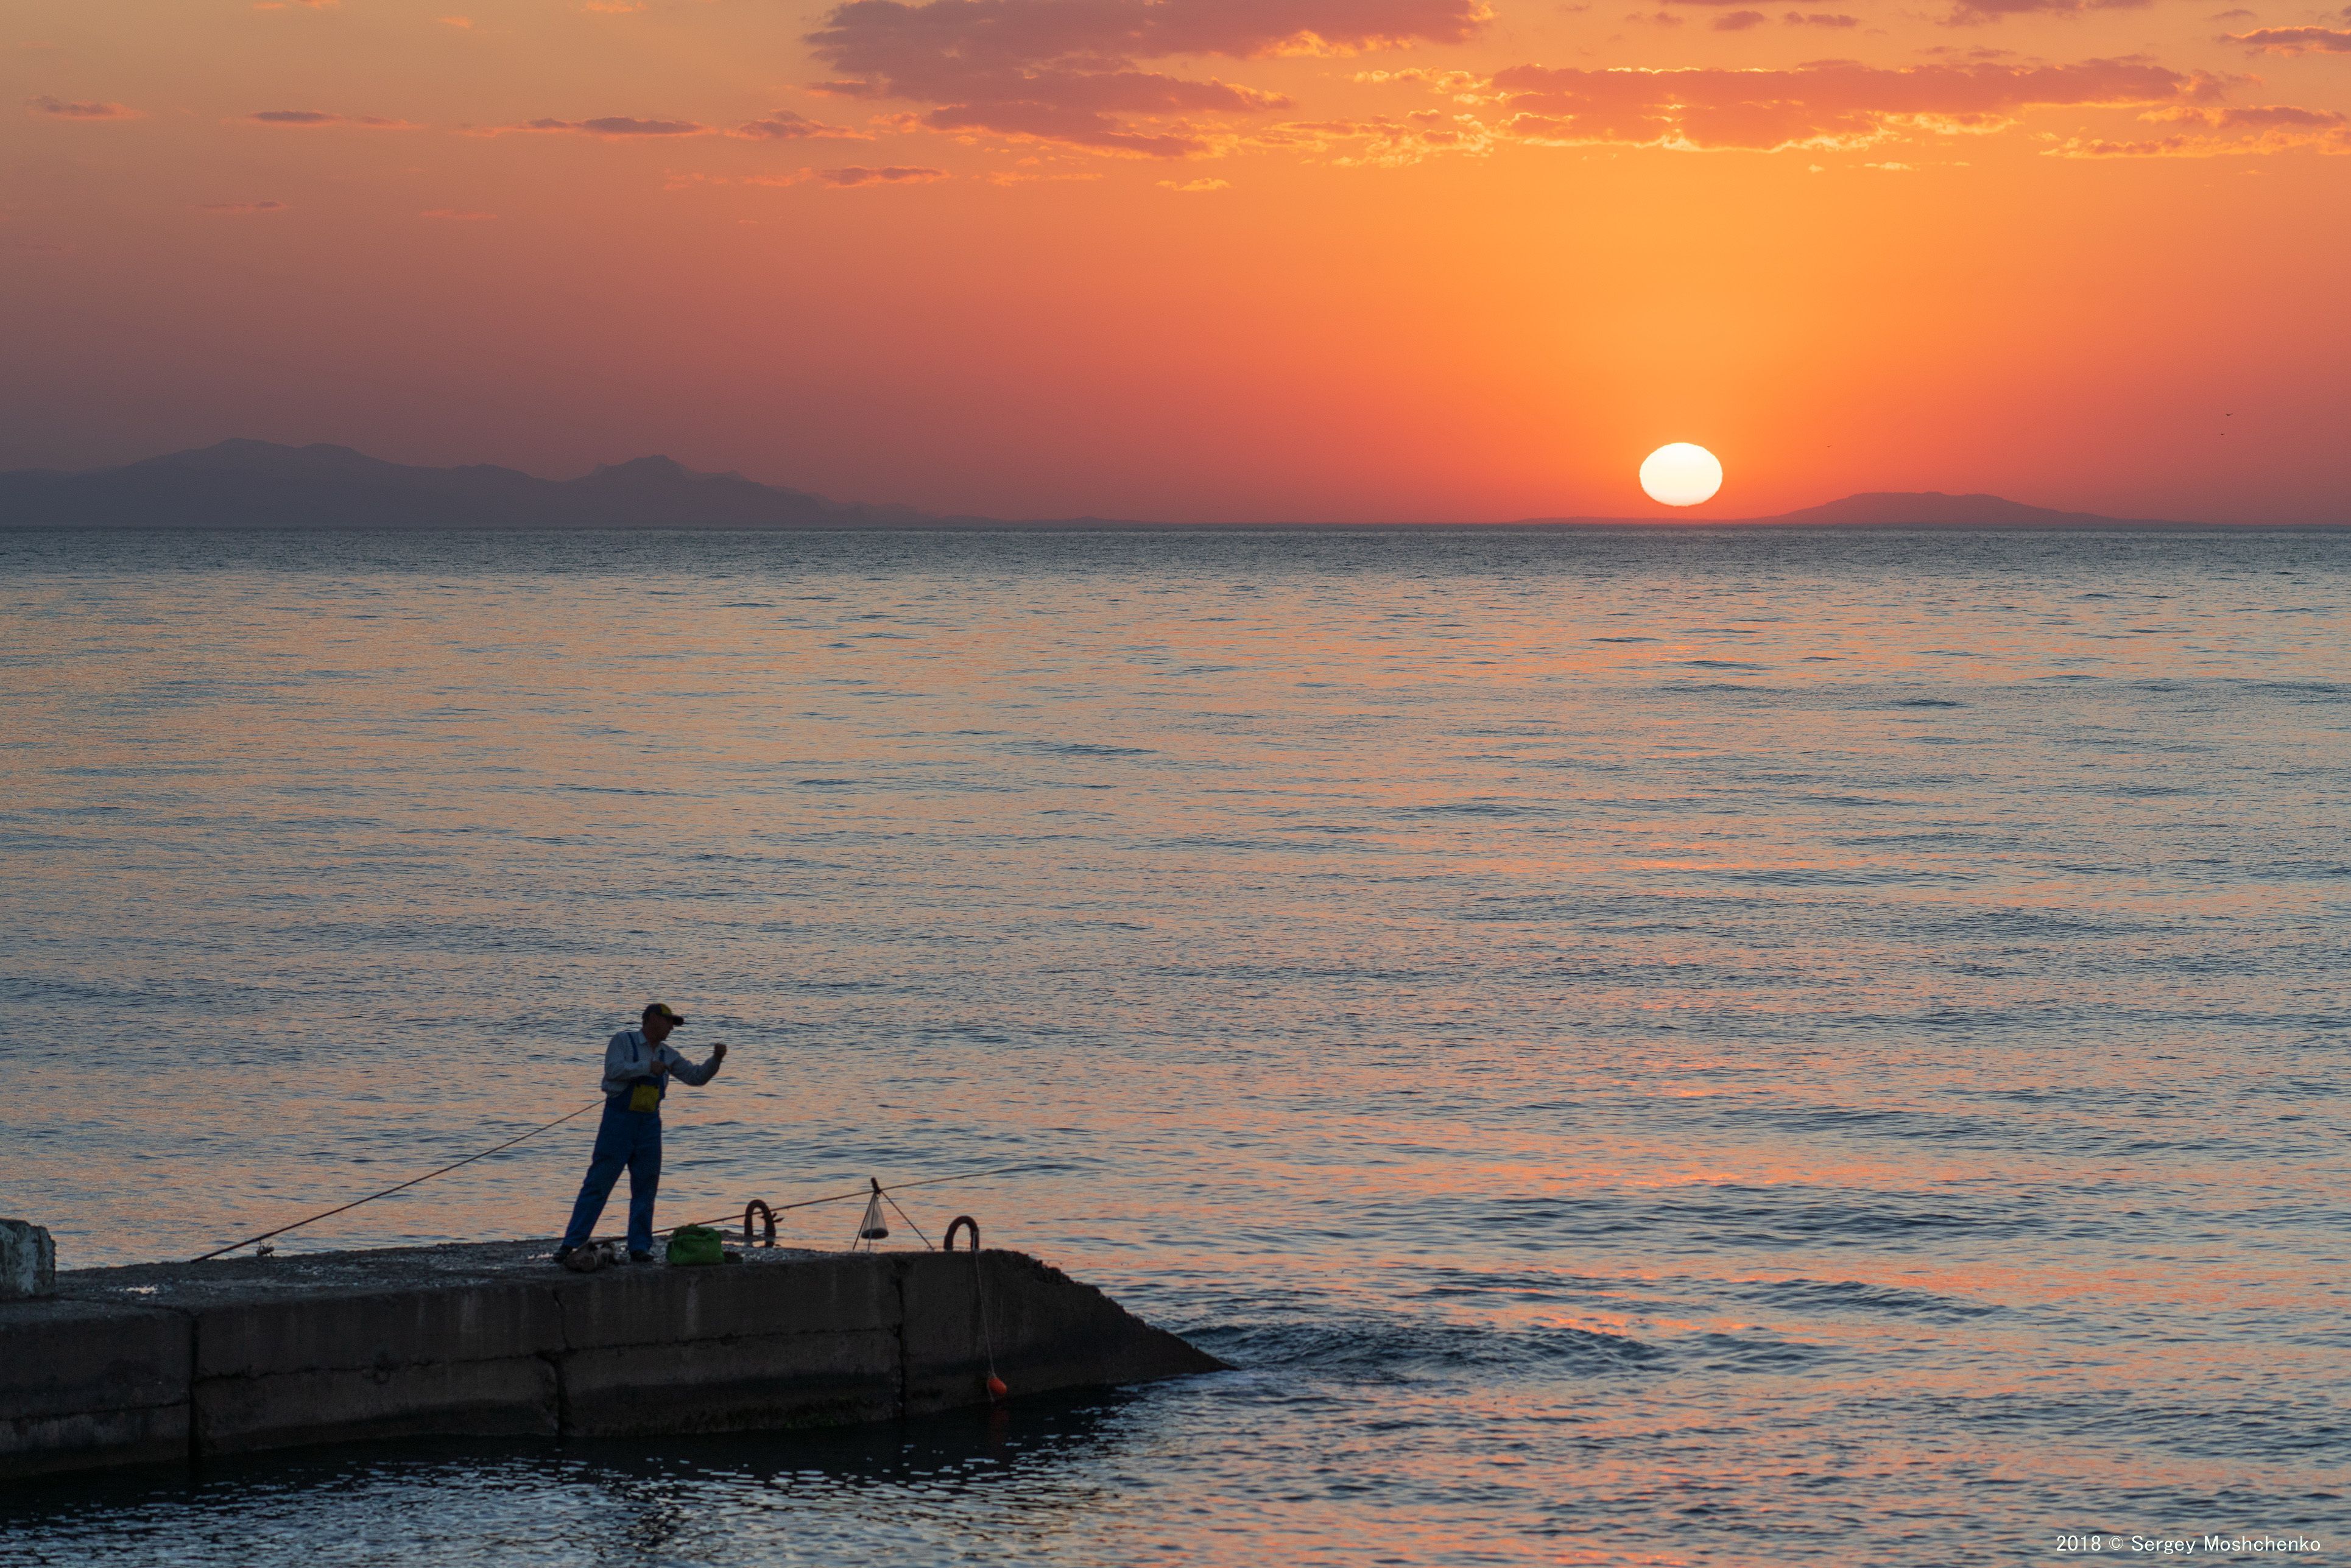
{"x":1201,"y":259}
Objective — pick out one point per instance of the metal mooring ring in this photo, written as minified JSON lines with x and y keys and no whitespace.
{"x":760,"y":1207}
{"x":961,"y":1222}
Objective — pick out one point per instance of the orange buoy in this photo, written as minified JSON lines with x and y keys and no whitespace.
{"x":996,"y":1389}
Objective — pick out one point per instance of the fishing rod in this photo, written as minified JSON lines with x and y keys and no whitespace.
{"x":403,"y":1186}
{"x":510,"y":1143}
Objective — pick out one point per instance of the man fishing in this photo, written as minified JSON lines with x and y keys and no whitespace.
{"x":637,"y":1069}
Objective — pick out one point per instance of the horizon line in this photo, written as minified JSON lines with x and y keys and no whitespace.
{"x":831,"y":515}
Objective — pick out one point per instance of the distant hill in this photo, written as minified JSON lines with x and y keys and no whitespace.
{"x":262,"y":485}
{"x":1933,"y":509}
{"x":1892,"y":510}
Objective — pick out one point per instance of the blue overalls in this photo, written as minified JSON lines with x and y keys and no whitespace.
{"x":625,"y":1137}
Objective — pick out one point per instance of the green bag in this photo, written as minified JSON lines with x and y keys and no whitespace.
{"x":696,"y":1244}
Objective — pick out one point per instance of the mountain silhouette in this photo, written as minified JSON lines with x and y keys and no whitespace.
{"x":1933,"y":509}
{"x":1901,"y":509}
{"x":261,"y":485}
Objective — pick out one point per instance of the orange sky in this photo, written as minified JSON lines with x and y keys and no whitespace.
{"x":1214,"y":259}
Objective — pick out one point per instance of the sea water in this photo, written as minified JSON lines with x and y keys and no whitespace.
{"x":1646,"y":1047}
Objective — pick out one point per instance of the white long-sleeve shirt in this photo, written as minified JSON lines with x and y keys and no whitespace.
{"x":631,"y":1056}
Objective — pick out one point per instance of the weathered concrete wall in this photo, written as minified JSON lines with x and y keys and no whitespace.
{"x":1047,"y":1329}
{"x":29,"y":1261}
{"x":466,"y":1356}
{"x":83,"y":1384}
{"x":177,"y":1361}
{"x":734,"y":1349}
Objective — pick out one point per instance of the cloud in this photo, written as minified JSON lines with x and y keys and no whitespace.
{"x":783,"y":125}
{"x":1739,"y":21}
{"x":1384,"y":142}
{"x":2277,"y":129}
{"x":1038,"y":176}
{"x":455,"y":215}
{"x":456,"y":21}
{"x":1072,"y":71}
{"x":67,"y":110}
{"x":1193,"y":186}
{"x":1461,"y":82}
{"x":1830,"y":104}
{"x":1970,"y":13}
{"x":2252,"y":117}
{"x":895,"y":175}
{"x":309,"y":117}
{"x":612,"y":127}
{"x":2295,"y":40}
{"x":242,"y":209}
{"x":1819,"y":19}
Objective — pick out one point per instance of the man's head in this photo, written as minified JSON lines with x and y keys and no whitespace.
{"x":659,"y":1020}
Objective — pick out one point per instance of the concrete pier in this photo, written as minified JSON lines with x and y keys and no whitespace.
{"x":178,"y":1361}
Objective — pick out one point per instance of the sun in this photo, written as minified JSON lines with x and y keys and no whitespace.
{"x":1681,"y":475}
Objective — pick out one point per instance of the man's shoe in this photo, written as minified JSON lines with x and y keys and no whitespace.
{"x":562,"y":1253}
{"x":640,"y":1257}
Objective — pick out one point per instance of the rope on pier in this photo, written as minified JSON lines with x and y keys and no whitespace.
{"x":907,"y":1218}
{"x":868,"y":1190}
{"x":995,"y":1385}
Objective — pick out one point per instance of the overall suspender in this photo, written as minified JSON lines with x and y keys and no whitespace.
{"x":645,"y":1093}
